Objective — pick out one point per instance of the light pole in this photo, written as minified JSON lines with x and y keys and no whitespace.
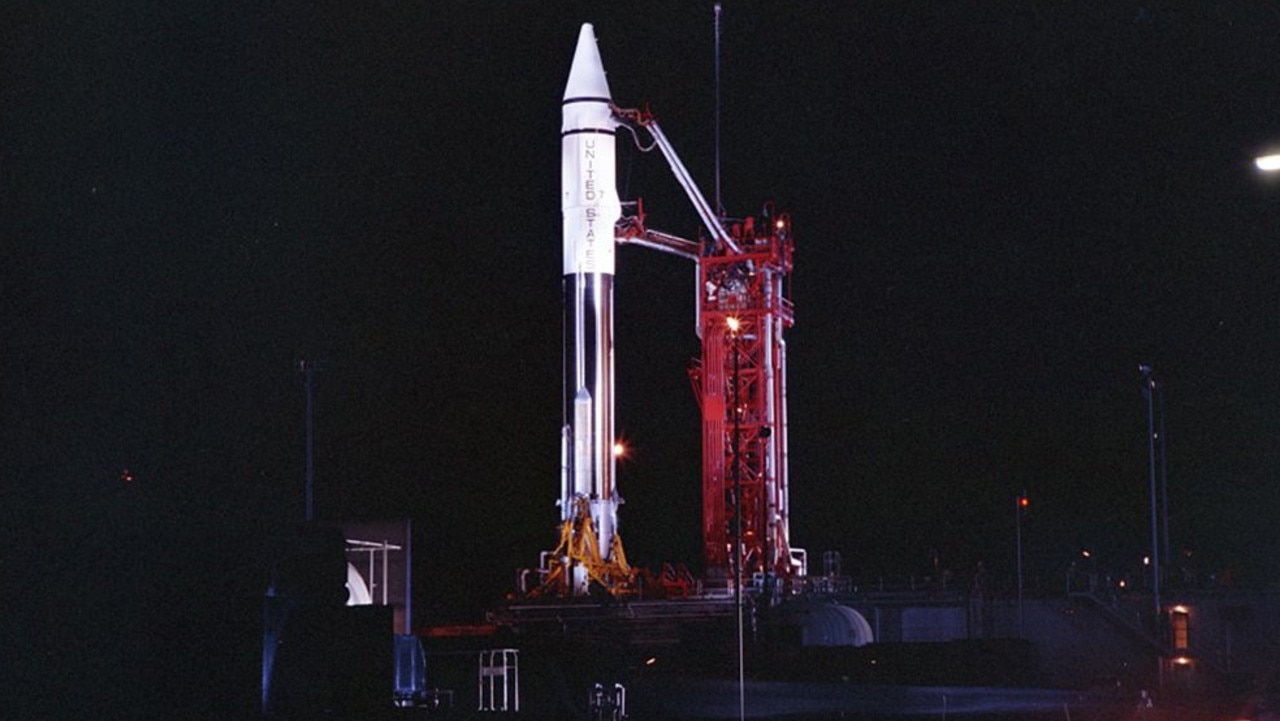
{"x":308,"y":371}
{"x":1020,"y":505}
{"x":1149,"y":391}
{"x":735,"y":327}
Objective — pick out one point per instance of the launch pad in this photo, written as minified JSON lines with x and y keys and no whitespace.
{"x":586,"y":634}
{"x":584,"y":603}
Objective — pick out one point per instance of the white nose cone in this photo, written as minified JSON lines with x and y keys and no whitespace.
{"x":586,"y":75}
{"x":589,"y":197}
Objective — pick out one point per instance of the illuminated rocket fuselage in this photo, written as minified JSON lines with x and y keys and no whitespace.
{"x":590,"y":207}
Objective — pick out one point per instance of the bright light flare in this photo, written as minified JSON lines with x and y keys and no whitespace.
{"x":619,"y":449}
{"x":1267,"y":163}
{"x":733,"y":323}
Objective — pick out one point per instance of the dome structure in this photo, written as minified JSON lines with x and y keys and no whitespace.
{"x":828,"y":624}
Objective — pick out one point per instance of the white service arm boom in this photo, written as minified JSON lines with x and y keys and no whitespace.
{"x":714,"y":226}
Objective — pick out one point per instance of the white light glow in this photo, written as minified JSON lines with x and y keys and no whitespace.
{"x":1267,"y":163}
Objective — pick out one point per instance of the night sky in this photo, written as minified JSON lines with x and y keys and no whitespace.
{"x":1000,"y":211}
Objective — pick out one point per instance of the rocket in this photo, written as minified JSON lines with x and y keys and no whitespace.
{"x":590,"y":207}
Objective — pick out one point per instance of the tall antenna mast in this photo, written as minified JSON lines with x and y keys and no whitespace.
{"x":719,"y":200}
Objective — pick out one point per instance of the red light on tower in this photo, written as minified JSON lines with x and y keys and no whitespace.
{"x":1024,"y":503}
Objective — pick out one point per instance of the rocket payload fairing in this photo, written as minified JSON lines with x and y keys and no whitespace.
{"x":590,"y":206}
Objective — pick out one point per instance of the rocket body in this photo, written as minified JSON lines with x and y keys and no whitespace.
{"x":590,"y":207}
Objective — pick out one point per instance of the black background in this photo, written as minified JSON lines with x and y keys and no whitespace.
{"x":1000,"y":210}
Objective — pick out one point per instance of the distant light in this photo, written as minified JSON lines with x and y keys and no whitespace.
{"x":651,"y":660}
{"x":780,"y":223}
{"x":619,"y":450}
{"x":1268,"y":163}
{"x":1146,"y":560}
{"x":1180,"y":609}
{"x":126,"y":476}
{"x":1086,"y":553}
{"x":1182,"y":661}
{"x":733,"y":323}
{"x":1124,"y":583}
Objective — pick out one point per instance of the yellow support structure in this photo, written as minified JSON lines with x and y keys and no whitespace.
{"x":579,"y":546}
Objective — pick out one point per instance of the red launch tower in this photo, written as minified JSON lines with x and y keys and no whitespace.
{"x":740,"y":382}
